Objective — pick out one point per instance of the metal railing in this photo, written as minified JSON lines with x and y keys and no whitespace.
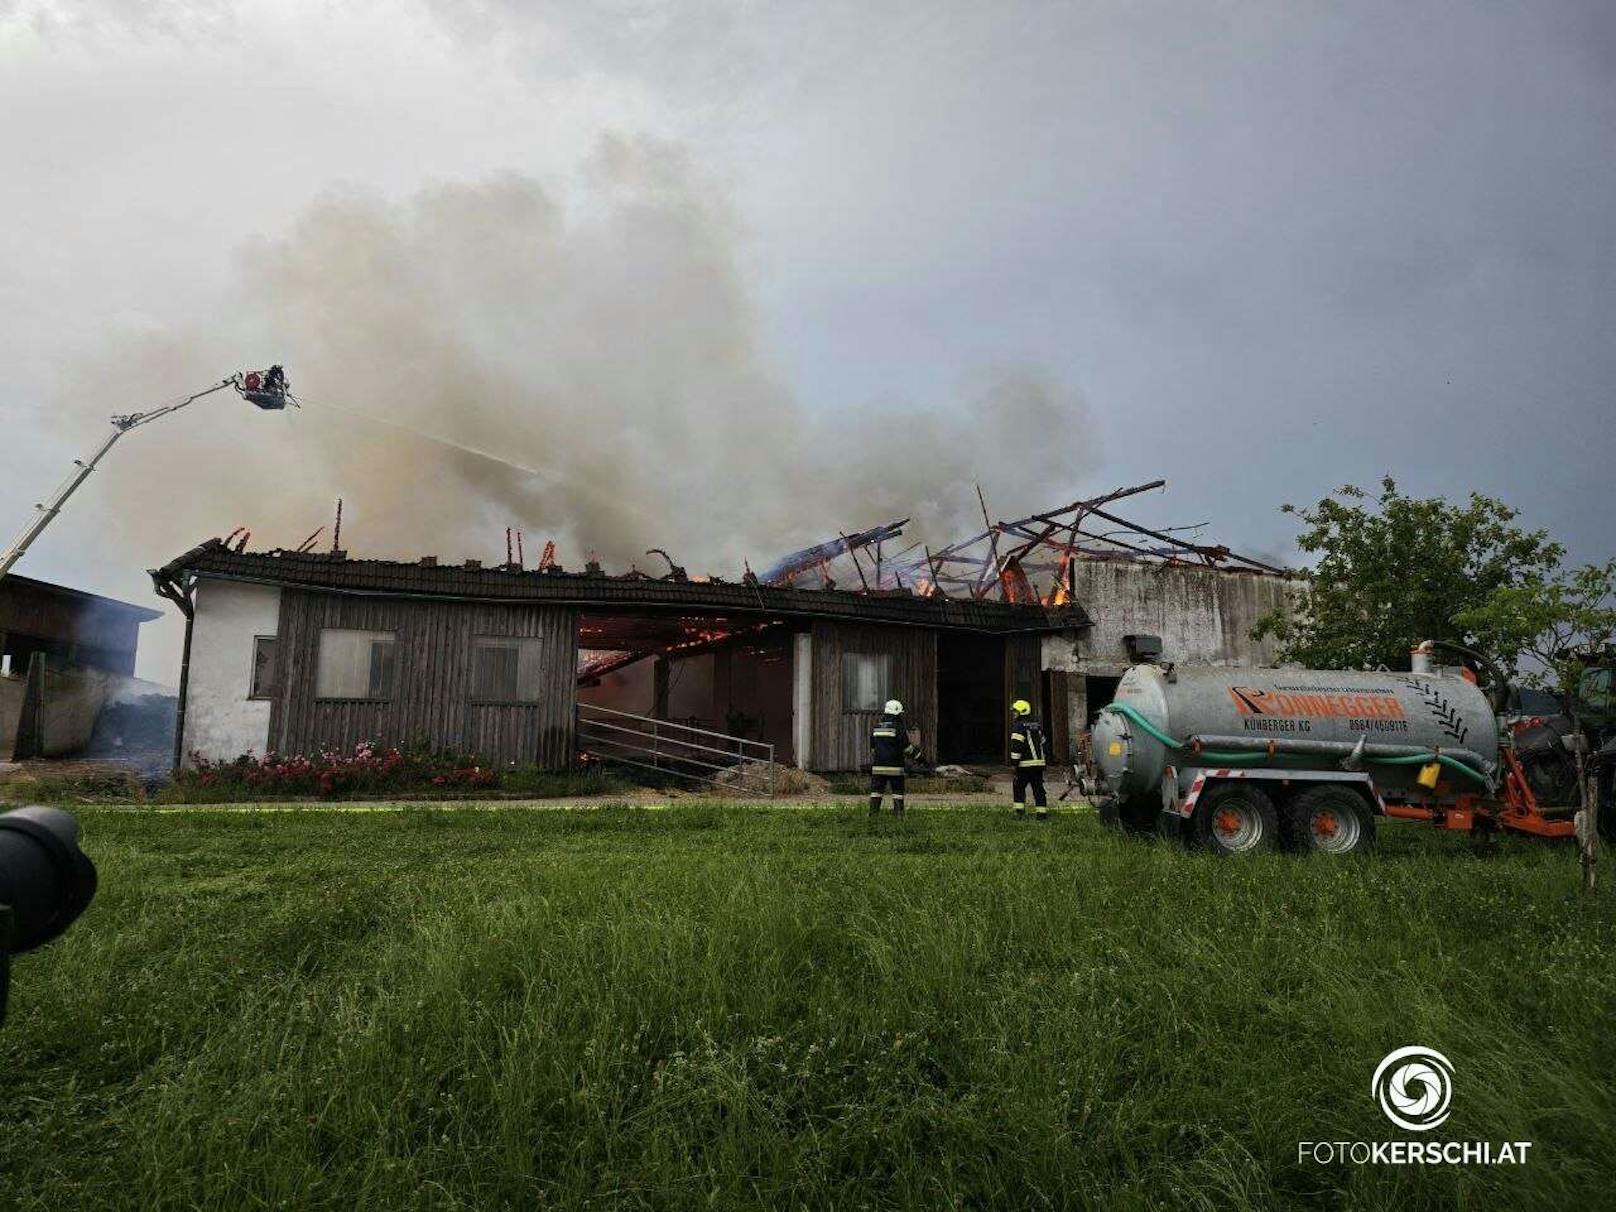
{"x":680,"y":750}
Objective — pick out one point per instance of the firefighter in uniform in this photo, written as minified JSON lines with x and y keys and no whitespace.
{"x":1029,"y":749}
{"x":890,"y":748}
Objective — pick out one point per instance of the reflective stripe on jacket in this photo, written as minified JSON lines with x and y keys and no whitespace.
{"x":1028,"y":746}
{"x":890,"y":747}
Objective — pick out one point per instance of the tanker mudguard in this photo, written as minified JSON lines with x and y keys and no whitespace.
{"x":1185,"y":807}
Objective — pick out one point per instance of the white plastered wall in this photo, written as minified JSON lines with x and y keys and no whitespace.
{"x":221,"y":721}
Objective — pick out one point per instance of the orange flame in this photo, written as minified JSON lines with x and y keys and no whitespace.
{"x":1061,"y":595}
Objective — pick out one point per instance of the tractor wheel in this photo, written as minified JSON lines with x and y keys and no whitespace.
{"x":1328,"y":819}
{"x":1234,"y":818}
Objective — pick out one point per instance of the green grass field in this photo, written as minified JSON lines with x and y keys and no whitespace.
{"x":732,"y":1007}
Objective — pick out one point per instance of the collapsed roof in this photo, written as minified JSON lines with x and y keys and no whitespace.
{"x":1014,"y":576}
{"x":1026,"y":561}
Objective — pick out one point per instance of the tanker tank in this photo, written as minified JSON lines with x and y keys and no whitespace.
{"x":1389,"y":724}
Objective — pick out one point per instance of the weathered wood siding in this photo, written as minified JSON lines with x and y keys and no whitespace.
{"x":432,"y":703}
{"x":841,"y":739}
{"x":1059,"y":722}
{"x":1023,"y":677}
{"x":1023,"y":666}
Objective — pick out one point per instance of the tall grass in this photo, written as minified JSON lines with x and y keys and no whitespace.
{"x":748,"y":1007}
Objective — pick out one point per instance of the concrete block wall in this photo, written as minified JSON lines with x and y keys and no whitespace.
{"x":1204,"y":616}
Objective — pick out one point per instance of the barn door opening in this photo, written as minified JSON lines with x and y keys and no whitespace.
{"x":1097,"y":694}
{"x":971,"y":707}
{"x":721,"y":675}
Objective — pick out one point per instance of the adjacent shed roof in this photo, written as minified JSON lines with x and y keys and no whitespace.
{"x":15,"y":589}
{"x":598,"y":591}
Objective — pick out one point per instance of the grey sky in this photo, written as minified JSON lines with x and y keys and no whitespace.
{"x":1274,"y":247}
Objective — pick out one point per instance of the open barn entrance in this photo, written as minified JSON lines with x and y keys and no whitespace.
{"x":971,"y":707}
{"x":1097,"y":694}
{"x":720,"y":675}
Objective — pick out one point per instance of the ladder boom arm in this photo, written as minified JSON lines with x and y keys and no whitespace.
{"x":82,"y":468}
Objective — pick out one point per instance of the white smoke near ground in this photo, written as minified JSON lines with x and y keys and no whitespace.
{"x":598,"y":338}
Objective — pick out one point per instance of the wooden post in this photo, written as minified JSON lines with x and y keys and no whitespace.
{"x":1588,"y":823}
{"x":659,"y":691}
{"x":181,"y":594}
{"x":1587,"y":820}
{"x":185,"y":686}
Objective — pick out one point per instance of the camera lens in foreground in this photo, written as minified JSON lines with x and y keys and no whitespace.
{"x":44,"y":877}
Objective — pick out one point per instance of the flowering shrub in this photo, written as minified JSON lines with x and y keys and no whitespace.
{"x":472,"y":776}
{"x":333,"y":773}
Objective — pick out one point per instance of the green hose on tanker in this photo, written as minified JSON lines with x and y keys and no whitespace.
{"x":1425,"y":759}
{"x":1225,"y":759}
{"x":1238,"y":759}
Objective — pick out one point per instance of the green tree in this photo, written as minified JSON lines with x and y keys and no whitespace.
{"x":1393,"y":570}
{"x":1552,"y":625}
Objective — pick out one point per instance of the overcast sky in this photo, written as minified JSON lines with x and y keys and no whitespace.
{"x":1257,"y":249}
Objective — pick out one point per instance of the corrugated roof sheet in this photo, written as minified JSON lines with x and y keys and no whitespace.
{"x":600,"y":591}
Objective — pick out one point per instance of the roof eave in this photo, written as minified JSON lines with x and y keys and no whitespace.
{"x":587,"y":591}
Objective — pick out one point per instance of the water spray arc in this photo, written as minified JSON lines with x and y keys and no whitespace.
{"x":424,"y":435}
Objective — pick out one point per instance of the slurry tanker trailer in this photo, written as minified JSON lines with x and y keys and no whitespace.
{"x":1244,"y":759}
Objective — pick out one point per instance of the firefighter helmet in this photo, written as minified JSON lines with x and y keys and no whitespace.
{"x":1021,"y":707}
{"x":894,"y":707}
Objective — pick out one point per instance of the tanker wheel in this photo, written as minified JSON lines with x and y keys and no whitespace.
{"x":1328,"y":820}
{"x":1235,"y":818}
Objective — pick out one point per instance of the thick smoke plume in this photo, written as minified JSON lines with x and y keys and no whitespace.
{"x":601,"y":340}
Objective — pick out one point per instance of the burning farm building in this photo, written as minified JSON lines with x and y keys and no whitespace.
{"x":290,"y":651}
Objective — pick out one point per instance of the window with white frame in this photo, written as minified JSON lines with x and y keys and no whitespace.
{"x":866,"y":680}
{"x":356,"y":664}
{"x":506,"y":669}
